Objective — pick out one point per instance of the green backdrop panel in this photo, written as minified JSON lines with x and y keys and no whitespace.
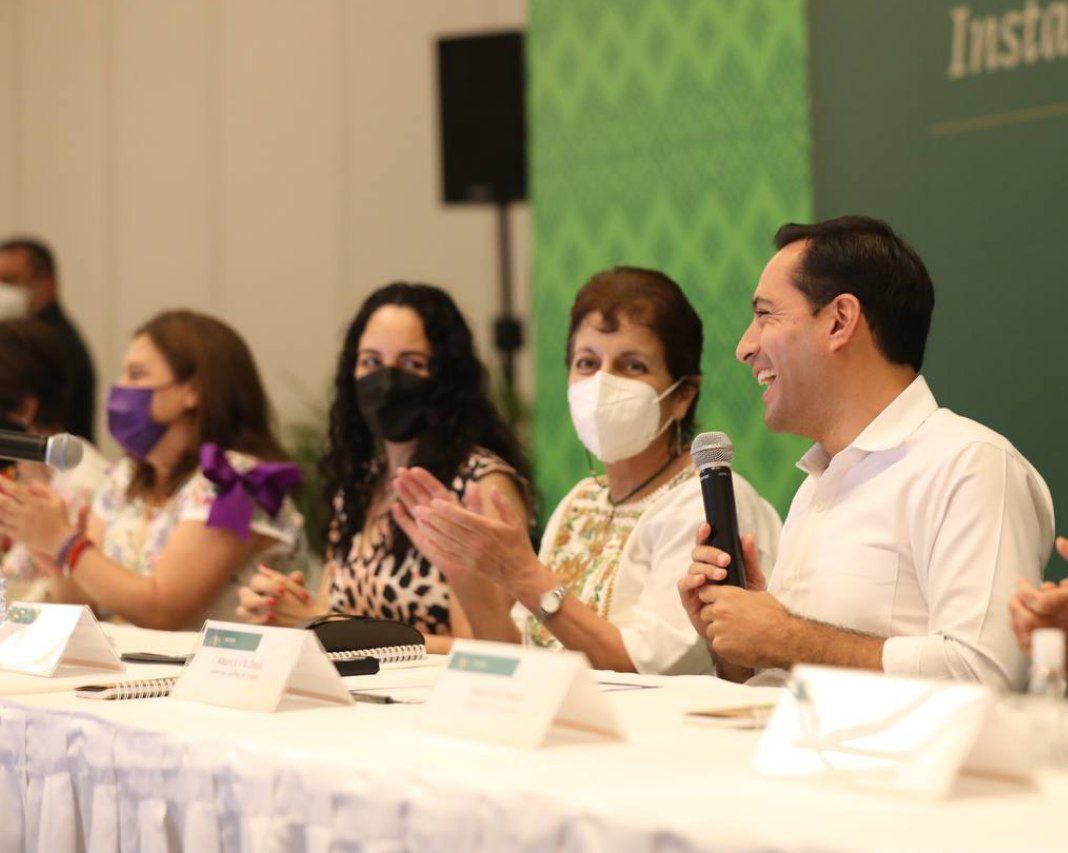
{"x":672,"y":134}
{"x":962,"y":147}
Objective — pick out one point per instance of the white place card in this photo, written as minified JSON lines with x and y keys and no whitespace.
{"x":519,"y":696}
{"x":867,"y":730}
{"x":255,"y":668}
{"x":37,"y":639}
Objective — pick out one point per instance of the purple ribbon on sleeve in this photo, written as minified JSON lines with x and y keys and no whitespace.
{"x":265,"y":484}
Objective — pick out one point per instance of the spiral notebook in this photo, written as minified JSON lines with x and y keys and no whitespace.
{"x":383,"y":654}
{"x":147,"y":688}
{"x":150,"y":688}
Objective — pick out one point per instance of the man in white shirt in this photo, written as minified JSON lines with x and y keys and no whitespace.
{"x":902,"y":548}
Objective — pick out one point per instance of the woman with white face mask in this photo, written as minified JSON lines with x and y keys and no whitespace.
{"x":604,"y":582}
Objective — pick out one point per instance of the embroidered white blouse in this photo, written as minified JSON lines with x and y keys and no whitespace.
{"x":625,"y":562}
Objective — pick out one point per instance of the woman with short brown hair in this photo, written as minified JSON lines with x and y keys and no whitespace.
{"x":604,"y":582}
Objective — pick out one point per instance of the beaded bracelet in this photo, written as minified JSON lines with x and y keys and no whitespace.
{"x":75,"y":554}
{"x":64,"y":551}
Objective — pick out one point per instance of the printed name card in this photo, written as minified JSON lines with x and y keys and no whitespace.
{"x":38,"y":639}
{"x":518,"y":696}
{"x":255,"y":668}
{"x":873,"y":731}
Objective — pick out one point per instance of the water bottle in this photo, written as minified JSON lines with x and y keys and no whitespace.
{"x":1047,"y":663}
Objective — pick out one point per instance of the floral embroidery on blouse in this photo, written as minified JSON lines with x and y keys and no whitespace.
{"x":586,"y":551}
{"x":135,"y":534}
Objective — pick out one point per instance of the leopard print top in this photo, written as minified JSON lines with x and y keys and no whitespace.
{"x":415,"y":591}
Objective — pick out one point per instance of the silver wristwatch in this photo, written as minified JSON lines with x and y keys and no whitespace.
{"x":549,"y":603}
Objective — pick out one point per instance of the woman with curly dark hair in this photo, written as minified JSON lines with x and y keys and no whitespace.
{"x":409,"y":391}
{"x":604,"y":582}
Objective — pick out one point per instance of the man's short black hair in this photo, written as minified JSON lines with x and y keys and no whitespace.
{"x":42,"y":261}
{"x":864,"y":257}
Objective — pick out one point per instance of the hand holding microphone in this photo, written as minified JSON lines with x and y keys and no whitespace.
{"x":720,"y":556}
{"x":712,"y":454}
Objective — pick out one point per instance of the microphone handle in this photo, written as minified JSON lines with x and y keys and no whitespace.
{"x":717,"y":490}
{"x":22,"y":446}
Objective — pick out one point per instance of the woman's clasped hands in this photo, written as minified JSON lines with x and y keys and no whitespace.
{"x":275,"y":598}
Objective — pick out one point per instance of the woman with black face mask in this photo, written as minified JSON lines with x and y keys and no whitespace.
{"x":409,"y":391}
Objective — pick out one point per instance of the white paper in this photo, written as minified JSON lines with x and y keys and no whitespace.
{"x":252,"y":668}
{"x":518,"y":696}
{"x":36,"y":639}
{"x":869,"y":730}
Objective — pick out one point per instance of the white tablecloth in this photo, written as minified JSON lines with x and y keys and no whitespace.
{"x":161,"y":774}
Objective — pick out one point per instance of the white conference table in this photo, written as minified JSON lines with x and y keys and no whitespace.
{"x":162,"y":774}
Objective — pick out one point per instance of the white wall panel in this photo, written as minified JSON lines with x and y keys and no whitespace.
{"x":9,"y":84}
{"x":281,"y":197}
{"x":270,"y":161}
{"x":160,"y":199}
{"x":65,"y":155}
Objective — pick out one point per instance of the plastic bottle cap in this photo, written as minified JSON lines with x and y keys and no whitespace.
{"x":1047,"y":648}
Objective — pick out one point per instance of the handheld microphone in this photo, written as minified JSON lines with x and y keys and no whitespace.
{"x":62,"y":451}
{"x":712,"y":454}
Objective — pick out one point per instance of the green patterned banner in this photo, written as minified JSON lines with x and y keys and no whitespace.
{"x":671,"y":134}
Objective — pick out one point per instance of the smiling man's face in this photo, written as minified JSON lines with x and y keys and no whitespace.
{"x":783,"y":348}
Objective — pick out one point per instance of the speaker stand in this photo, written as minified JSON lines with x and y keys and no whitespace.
{"x":507,"y":328}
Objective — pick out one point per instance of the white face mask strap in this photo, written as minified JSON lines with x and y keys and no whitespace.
{"x":669,"y":389}
{"x":669,"y":421}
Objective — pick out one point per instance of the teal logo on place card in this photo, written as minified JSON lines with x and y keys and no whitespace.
{"x":22,"y":615}
{"x":484,"y":664}
{"x":234,"y":641}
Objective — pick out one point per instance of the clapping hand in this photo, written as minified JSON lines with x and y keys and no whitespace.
{"x":482,"y":537}
{"x":34,"y":515}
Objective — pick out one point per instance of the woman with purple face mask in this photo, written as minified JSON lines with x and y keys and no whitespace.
{"x":201,"y":496}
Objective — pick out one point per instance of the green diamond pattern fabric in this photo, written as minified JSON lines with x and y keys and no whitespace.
{"x":671,"y":134}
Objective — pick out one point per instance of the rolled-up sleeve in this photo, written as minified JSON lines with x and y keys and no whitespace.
{"x":989,"y":522}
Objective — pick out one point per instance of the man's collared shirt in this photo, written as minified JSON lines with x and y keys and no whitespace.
{"x":917,"y":532}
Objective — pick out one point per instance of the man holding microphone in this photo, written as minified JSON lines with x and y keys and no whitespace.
{"x":903,"y":547}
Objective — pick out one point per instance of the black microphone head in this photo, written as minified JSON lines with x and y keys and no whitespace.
{"x":712,"y":450}
{"x":63,"y":451}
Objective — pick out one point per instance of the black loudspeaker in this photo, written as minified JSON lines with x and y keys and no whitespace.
{"x":483,"y":123}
